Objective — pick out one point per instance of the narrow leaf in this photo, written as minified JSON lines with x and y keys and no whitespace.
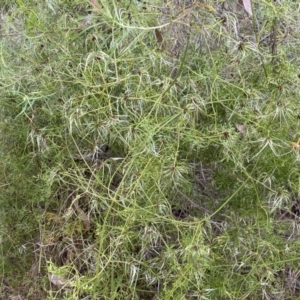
{"x":58,"y":280}
{"x":247,"y":6}
{"x":82,"y":215}
{"x":158,"y":36}
{"x":160,"y":39}
{"x":241,"y":128}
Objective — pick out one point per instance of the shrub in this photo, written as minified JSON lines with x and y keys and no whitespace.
{"x":149,"y":150}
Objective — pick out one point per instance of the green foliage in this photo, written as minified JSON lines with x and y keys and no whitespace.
{"x":149,"y":150}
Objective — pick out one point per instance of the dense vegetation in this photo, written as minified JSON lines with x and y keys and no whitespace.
{"x":149,"y":150}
